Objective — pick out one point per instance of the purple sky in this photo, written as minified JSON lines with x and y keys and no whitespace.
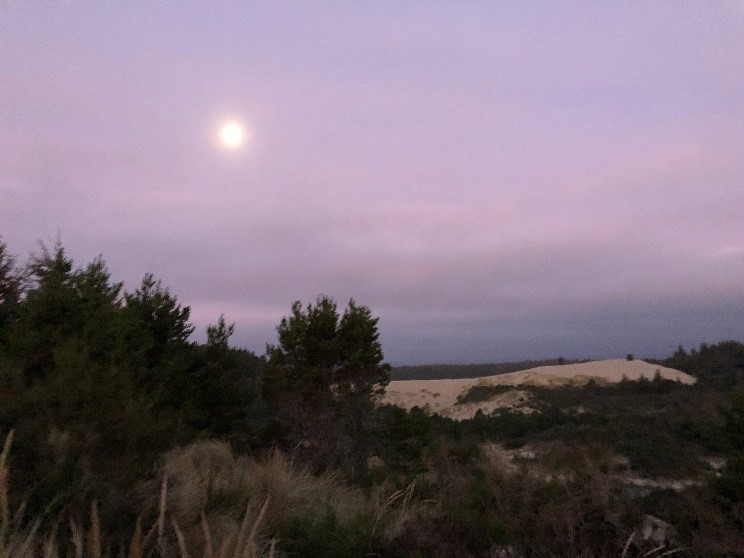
{"x":496,"y":182}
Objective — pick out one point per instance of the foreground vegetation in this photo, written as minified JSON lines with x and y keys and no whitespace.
{"x":130,"y":440}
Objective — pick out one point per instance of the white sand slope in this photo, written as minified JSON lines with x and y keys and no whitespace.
{"x":440,"y":396}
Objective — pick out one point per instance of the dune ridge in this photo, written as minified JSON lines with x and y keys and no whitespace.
{"x":440,"y":396}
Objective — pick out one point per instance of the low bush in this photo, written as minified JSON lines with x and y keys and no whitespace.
{"x":480,"y":393}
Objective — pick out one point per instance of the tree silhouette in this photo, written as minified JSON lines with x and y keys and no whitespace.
{"x":322,"y":356}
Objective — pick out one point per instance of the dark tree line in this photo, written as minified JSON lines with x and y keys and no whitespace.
{"x":98,"y":381}
{"x":720,"y":364}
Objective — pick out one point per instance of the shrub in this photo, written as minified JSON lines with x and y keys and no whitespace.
{"x":479,"y":393}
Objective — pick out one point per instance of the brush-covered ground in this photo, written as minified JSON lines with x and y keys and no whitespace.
{"x":124,"y":438}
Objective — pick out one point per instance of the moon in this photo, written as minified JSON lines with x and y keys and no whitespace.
{"x":232,"y":135}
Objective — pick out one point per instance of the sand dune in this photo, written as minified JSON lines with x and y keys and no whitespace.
{"x":440,"y":396}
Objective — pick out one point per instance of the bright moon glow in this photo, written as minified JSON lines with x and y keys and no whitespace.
{"x":231,"y":135}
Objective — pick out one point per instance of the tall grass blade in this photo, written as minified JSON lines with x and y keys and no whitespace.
{"x":241,"y":549}
{"x":208,"y":549}
{"x":161,"y":516}
{"x":28,"y":541}
{"x":77,"y":539}
{"x":627,"y":545}
{"x":250,"y":543}
{"x":135,"y":545}
{"x":49,"y":547}
{"x":4,"y":499}
{"x":181,"y":540}
{"x":224,"y":546}
{"x":94,"y":541}
{"x":670,"y":552}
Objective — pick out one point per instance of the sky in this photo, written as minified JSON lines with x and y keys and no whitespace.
{"x":495,"y":180}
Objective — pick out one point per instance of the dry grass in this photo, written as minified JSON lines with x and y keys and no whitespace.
{"x":211,"y":504}
{"x":209,"y":486}
{"x":394,"y":512}
{"x":18,"y":541}
{"x":209,"y":490}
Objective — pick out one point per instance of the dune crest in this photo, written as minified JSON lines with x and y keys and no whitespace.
{"x":440,"y":396}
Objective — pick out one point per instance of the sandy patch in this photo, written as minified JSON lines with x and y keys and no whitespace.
{"x":512,"y":400}
{"x":440,"y":396}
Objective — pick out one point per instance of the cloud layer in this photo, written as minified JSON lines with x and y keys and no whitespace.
{"x":499,"y":182}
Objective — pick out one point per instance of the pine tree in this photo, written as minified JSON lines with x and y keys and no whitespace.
{"x":323,"y":357}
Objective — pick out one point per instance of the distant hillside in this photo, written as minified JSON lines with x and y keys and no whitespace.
{"x":463,"y":371}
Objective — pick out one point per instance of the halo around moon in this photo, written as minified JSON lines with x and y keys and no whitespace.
{"x":232,"y":135}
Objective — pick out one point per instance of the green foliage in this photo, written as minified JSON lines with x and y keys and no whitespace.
{"x":700,"y":524}
{"x":733,"y":416}
{"x":720,"y":364}
{"x":11,"y":291}
{"x":514,"y":428}
{"x":662,"y":426}
{"x":222,"y":385}
{"x":63,"y":305}
{"x":323,"y":357}
{"x":98,"y":384}
{"x":363,"y":371}
{"x":154,"y":326}
{"x":399,"y":437}
{"x":327,"y":537}
{"x":477,"y":394}
{"x":468,"y":517}
{"x":218,"y":336}
{"x":730,"y":485}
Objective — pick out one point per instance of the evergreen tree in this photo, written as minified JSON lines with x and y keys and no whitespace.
{"x":64,"y":306}
{"x":154,"y":341}
{"x":361,"y":353}
{"x":221,"y":385}
{"x":323,"y":357}
{"x":11,"y":290}
{"x":731,"y":484}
